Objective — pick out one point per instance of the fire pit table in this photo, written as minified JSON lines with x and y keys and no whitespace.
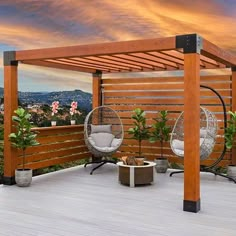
{"x":136,"y":175}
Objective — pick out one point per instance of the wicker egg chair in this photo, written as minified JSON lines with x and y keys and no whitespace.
{"x":103,"y":134}
{"x":208,"y":131}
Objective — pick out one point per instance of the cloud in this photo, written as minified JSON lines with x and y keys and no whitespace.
{"x":33,"y":78}
{"x":27,"y":24}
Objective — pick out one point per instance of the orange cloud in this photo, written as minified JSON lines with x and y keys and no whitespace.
{"x":38,"y":24}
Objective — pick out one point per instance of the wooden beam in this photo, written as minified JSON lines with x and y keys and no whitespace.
{"x":10,"y":104}
{"x":97,"y":93}
{"x":212,"y":51}
{"x":58,"y":66}
{"x":191,"y":132}
{"x":234,"y":108}
{"x":98,"y":49}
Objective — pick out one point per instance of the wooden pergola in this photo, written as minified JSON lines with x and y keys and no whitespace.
{"x":190,"y":53}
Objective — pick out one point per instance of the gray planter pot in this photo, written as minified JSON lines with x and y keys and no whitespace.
{"x":231,"y":171}
{"x":161,"y":165}
{"x":23,"y":177}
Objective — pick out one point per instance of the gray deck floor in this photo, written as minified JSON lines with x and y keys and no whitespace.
{"x":72,"y":202}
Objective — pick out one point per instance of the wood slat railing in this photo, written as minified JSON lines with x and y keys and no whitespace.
{"x":58,"y":145}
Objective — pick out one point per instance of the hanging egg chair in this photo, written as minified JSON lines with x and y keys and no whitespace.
{"x":103,"y":134}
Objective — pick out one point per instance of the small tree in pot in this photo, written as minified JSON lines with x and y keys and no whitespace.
{"x":23,"y":138}
{"x":140,"y":131}
{"x":161,"y":132}
{"x":230,"y":141}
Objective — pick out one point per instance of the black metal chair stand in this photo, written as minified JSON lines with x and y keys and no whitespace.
{"x":100,"y":163}
{"x":210,"y":168}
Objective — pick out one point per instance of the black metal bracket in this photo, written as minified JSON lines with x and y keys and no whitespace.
{"x":9,"y":180}
{"x":192,"y":206}
{"x":98,"y":73}
{"x":191,"y":43}
{"x":9,"y":58}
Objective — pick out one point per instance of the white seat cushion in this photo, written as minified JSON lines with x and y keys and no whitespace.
{"x":203,"y":133}
{"x":102,"y":139}
{"x":116,"y":142}
{"x":179,"y":152}
{"x":178,"y":144}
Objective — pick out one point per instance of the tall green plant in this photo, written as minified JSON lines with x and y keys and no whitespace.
{"x":161,"y":131}
{"x":23,"y":137}
{"x":230,"y":131}
{"x":140,"y":131}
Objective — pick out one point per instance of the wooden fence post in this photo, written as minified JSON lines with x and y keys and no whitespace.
{"x":97,"y":93}
{"x":10,"y":104}
{"x":191,"y":45}
{"x":234,"y":108}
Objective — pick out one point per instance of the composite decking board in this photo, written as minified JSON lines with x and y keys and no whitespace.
{"x":73,"y":202}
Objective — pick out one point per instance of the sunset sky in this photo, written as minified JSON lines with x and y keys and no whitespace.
{"x":29,"y":24}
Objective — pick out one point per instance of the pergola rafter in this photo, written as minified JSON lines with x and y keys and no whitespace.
{"x":190,"y":53}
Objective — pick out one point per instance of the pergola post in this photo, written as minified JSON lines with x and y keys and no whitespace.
{"x":10,"y":104}
{"x":97,"y":93}
{"x":191,"y":45}
{"x":234,"y":108}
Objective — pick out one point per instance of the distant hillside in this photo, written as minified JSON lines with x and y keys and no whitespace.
{"x":64,"y":97}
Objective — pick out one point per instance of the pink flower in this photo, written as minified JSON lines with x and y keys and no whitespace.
{"x":73,"y":108}
{"x":55,"y":106}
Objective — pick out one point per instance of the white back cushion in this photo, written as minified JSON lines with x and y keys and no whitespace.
{"x":100,"y":129}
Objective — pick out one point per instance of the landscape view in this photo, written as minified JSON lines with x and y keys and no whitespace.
{"x":39,"y":104}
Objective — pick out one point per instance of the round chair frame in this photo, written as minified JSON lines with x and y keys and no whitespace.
{"x":102,"y":115}
{"x":208,"y":126}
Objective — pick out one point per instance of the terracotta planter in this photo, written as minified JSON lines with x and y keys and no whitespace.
{"x":136,"y":175}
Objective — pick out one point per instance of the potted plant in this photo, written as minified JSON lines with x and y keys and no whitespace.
{"x":55,"y":106}
{"x":230,"y":141}
{"x":73,"y":112}
{"x":23,"y":138}
{"x":139,"y":132}
{"x":161,"y":132}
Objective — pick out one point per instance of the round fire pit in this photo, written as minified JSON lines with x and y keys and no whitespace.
{"x":136,"y":175}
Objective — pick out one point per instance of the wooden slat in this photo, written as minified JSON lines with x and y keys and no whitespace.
{"x":46,"y":163}
{"x":169,"y":92}
{"x":55,"y":130}
{"x":98,"y":49}
{"x":53,"y":154}
{"x":212,"y":51}
{"x":61,"y":138}
{"x":144,"y":86}
{"x":51,"y":146}
{"x":59,"y":66}
{"x":161,"y":100}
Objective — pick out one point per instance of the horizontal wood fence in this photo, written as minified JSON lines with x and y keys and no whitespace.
{"x":165,"y":93}
{"x":58,"y":145}
{"x":62,"y":144}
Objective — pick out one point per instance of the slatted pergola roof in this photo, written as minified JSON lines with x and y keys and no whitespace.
{"x":160,"y":54}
